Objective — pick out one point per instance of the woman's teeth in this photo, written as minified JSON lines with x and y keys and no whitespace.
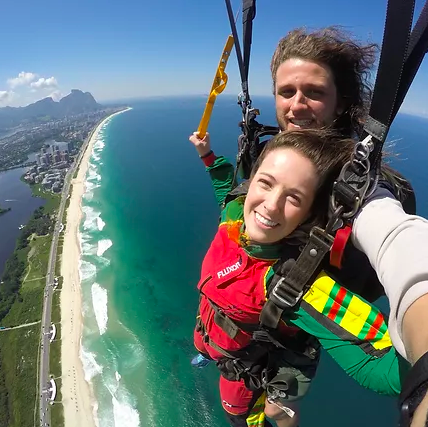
{"x":265,"y":221}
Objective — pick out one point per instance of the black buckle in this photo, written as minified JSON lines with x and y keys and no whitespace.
{"x":285,"y":298}
{"x":261,"y":335}
{"x":322,"y":237}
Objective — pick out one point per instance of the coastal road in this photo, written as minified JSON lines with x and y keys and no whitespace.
{"x":48,"y":294}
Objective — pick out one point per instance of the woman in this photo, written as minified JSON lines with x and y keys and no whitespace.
{"x":287,"y":194}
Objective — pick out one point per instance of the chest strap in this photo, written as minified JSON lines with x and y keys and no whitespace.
{"x":229,"y":326}
{"x":414,"y":390}
{"x":271,"y":339}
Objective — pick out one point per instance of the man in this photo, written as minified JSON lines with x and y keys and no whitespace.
{"x":320,"y":79}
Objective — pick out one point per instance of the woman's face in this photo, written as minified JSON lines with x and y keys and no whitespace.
{"x":280,"y":195}
{"x":305,"y":95}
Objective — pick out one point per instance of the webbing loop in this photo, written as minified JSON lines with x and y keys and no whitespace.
{"x":219,"y":84}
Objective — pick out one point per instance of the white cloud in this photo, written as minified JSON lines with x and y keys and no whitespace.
{"x":45,"y":83}
{"x":27,"y":88}
{"x":56,"y":95}
{"x":6,"y":96}
{"x":23,"y":79}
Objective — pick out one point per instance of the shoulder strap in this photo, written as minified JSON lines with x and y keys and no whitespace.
{"x":252,"y":131}
{"x":248,"y":14}
{"x":418,"y":47}
{"x":293,"y":278}
{"x":251,"y":143}
{"x":398,"y":25}
{"x":413,"y":390}
{"x":240,"y":190}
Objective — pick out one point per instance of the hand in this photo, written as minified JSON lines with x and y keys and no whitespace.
{"x":416,"y":343}
{"x":203,"y":146}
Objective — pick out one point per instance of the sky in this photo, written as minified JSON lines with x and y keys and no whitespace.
{"x":125,"y":49}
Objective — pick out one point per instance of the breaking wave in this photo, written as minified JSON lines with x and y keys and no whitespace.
{"x":103,"y":245}
{"x":90,"y":365}
{"x":91,"y":218}
{"x":86,"y":270}
{"x":124,"y":413}
{"x":100,"y":223}
{"x":99,"y":303}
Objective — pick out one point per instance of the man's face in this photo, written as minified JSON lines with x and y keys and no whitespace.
{"x":305,"y":95}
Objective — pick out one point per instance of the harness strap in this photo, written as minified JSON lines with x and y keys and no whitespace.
{"x":229,"y":326}
{"x":240,"y":190}
{"x":259,"y":335}
{"x":249,"y":364}
{"x":418,"y":47}
{"x":225,"y":322}
{"x":289,"y":287}
{"x":200,"y":327}
{"x":398,"y":25}
{"x":252,"y":131}
{"x":264,"y":336}
{"x":365,"y":162}
{"x":253,"y":364}
{"x":248,"y":15}
{"x":249,"y":145}
{"x":414,"y":390}
{"x":218,"y":348}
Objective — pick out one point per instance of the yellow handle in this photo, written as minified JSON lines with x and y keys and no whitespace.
{"x":219,"y":83}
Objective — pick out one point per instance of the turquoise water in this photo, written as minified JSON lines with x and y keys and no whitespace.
{"x":149,"y":216}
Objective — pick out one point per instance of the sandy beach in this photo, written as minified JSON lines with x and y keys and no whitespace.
{"x":77,"y":396}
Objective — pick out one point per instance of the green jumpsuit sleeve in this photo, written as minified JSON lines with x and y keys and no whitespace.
{"x":382,"y":373}
{"x":221,"y":174}
{"x":354,"y":333}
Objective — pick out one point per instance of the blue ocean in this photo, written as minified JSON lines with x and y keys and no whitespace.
{"x":149,"y":216}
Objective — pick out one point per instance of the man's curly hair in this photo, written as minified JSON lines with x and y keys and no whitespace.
{"x":349,"y":61}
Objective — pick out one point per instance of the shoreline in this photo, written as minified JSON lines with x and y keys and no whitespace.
{"x":78,"y":399}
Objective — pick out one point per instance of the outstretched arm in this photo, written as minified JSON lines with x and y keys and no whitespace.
{"x":354,"y":333}
{"x":220,"y":170}
{"x":396,"y":245}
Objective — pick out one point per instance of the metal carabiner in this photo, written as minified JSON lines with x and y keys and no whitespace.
{"x":361,"y":191}
{"x":363,"y":148}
